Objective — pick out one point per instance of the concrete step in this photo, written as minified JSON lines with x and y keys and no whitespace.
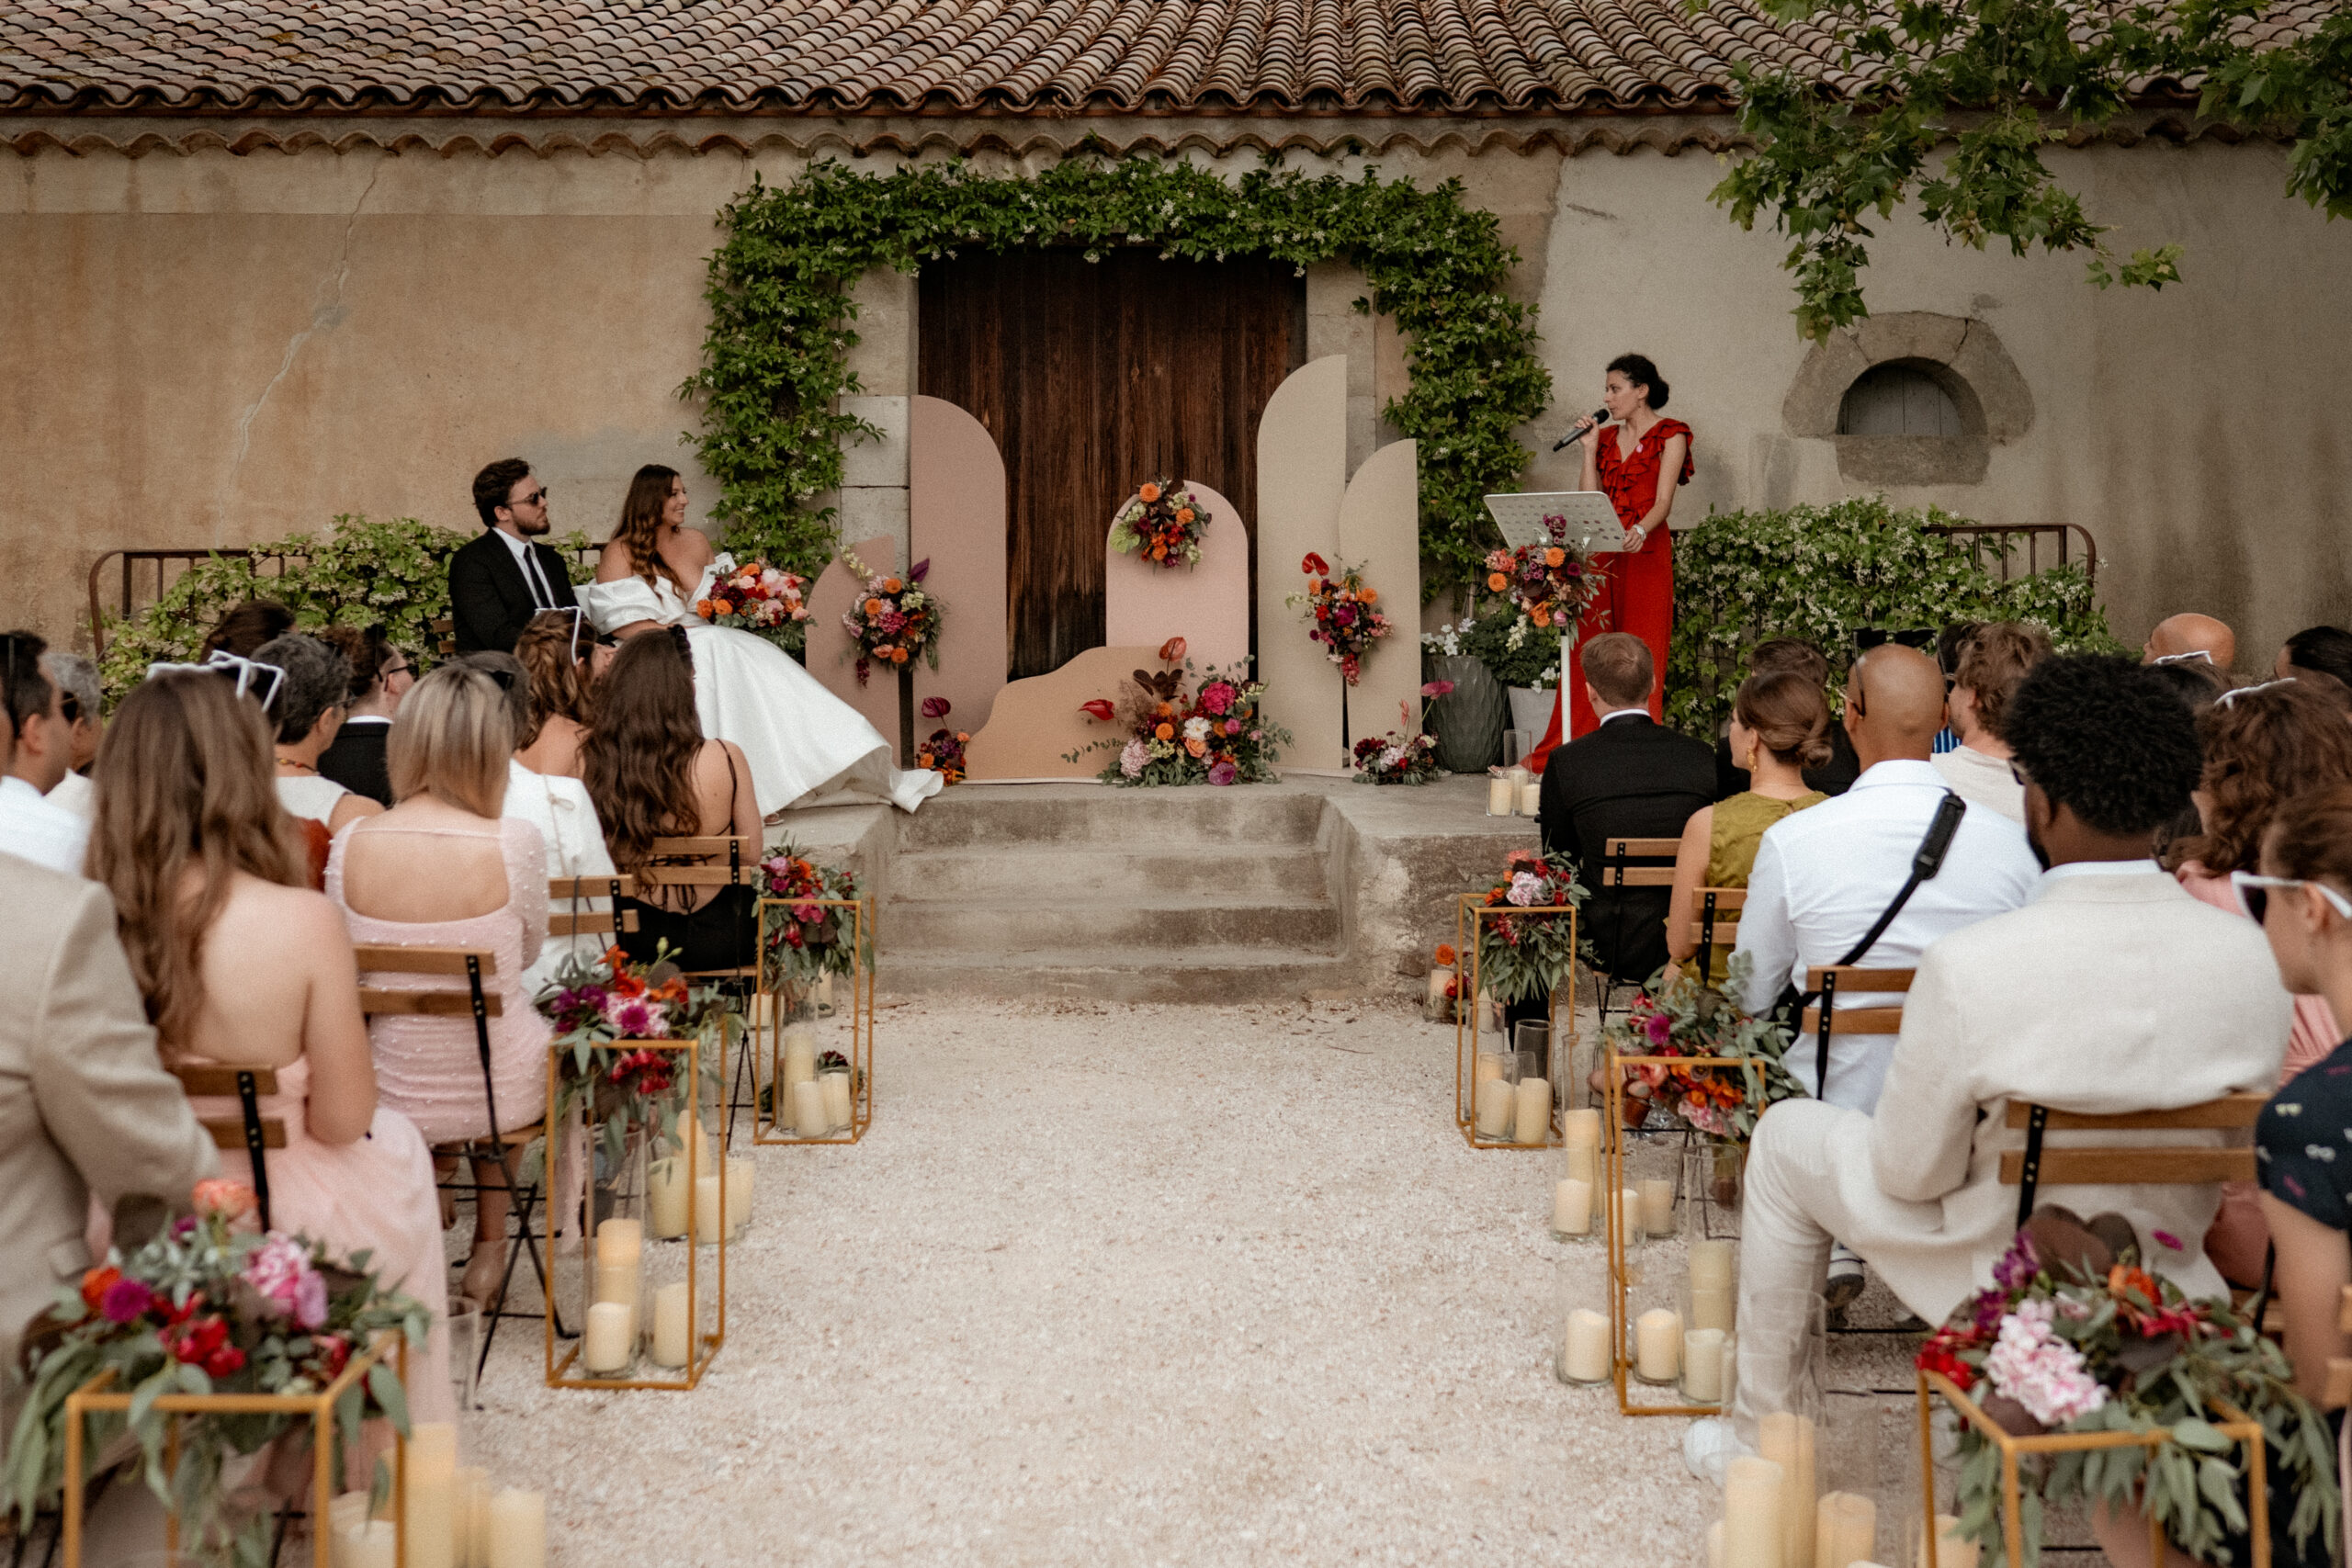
{"x":1221,"y":975}
{"x":1098,"y":925}
{"x":981,"y":816}
{"x":1237,"y":872}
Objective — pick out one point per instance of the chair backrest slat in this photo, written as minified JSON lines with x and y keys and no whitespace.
{"x":385,"y":1003}
{"x":227,"y":1134}
{"x":1857,"y":1021}
{"x":592,"y":923}
{"x":1855,"y":977}
{"x":210,"y":1080}
{"x":591,"y":886}
{"x":2228,"y":1112}
{"x":2131,"y":1168}
{"x":714,"y":844}
{"x":376,"y":958}
{"x":698,"y":875}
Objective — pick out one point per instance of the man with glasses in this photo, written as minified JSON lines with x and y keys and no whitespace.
{"x":38,"y":752}
{"x":501,"y":579}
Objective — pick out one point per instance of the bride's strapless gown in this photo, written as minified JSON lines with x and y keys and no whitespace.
{"x":806,"y":746}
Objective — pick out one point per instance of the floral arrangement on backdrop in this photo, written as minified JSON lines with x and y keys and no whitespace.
{"x":759,"y":599}
{"x":1405,"y":756}
{"x":2075,"y":1335}
{"x":803,"y":939}
{"x":893,"y":619}
{"x":943,"y":753}
{"x":1550,"y":584}
{"x":1514,"y":648}
{"x":1684,"y":1017}
{"x":1162,"y":522}
{"x":209,"y":1305}
{"x":1212,"y":733}
{"x":1521,"y":958}
{"x":1342,"y":613}
{"x":599,"y":1006}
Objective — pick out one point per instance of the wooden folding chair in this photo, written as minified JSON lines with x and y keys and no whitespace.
{"x":1823,"y":1020}
{"x":718,"y":861}
{"x":2128,"y":1165}
{"x":1710,"y":927}
{"x":582,"y":918}
{"x":476,"y":966}
{"x":445,"y":635}
{"x":1631,"y":862}
{"x":249,"y":1130}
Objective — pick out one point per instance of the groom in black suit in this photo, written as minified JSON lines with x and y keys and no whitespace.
{"x":501,"y":579}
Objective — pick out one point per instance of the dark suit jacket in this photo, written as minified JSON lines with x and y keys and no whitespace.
{"x":489,"y":598}
{"x":356,"y":761}
{"x":1834,"y":777}
{"x":1631,"y":778}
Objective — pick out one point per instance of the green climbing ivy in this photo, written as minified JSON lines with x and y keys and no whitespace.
{"x":776,"y":364}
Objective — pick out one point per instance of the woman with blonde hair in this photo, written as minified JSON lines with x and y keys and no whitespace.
{"x":242,"y":963}
{"x":557,"y":650}
{"x":443,"y":869}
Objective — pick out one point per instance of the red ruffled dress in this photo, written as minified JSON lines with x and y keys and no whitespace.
{"x":1635,"y":589}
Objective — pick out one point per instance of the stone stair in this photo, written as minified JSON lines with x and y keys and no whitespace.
{"x":1176,"y":894}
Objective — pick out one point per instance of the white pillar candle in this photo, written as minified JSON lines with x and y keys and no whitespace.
{"x":799,"y":1054}
{"x":838,"y":1113}
{"x":710,"y":1212}
{"x":1581,"y":1138}
{"x":1786,"y":1440}
{"x":1752,"y":1534}
{"x":618,"y":1269}
{"x":1657,"y":1345}
{"x":1440,"y":977}
{"x":1490,"y":1066}
{"x":1952,"y":1548}
{"x":344,"y":1513}
{"x":809,"y":1110}
{"x":739,"y":1196}
{"x":1716,"y":1544}
{"x":1500,"y":795}
{"x":1587,"y":1357}
{"x":672,"y":1331}
{"x":1657,"y":1199}
{"x":668,"y":1190}
{"x":1845,"y":1529}
{"x":1711,"y":1263}
{"x":518,"y":1529}
{"x":1629,"y":1211}
{"x":1702,"y":1366}
{"x":1572,"y":1208}
{"x":1530,"y":798}
{"x":606,"y":1348}
{"x":1711,"y":1307}
{"x":1532,"y":1121}
{"x":1497,"y":1101}
{"x":431,"y":1494}
{"x":473,"y":1518}
{"x":373,"y":1545}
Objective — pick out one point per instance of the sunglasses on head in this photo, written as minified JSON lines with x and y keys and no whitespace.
{"x":244,"y":672}
{"x":2253,"y":892}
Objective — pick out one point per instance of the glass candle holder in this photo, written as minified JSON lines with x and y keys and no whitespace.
{"x":1781,"y":1408}
{"x":1652,"y":1172}
{"x":1586,"y":1351}
{"x":1502,"y":796}
{"x":1577,"y":1197}
{"x":1656,"y":1334}
{"x":1532,"y":1115}
{"x":1494,"y":1095}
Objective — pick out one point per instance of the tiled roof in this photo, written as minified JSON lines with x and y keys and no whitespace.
{"x":895,"y":56}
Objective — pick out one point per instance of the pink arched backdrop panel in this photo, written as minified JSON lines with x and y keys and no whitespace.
{"x":955,"y":515}
{"x":1207,"y":605}
{"x":832,"y":652}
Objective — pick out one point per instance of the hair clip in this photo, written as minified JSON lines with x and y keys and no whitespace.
{"x":2228,"y":697}
{"x":2195,"y":655}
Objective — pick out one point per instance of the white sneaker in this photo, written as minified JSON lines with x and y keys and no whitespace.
{"x":1709,"y":1446}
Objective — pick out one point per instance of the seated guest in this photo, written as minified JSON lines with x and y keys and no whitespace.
{"x":242,"y":963}
{"x":556,"y":648}
{"x":441,"y":869}
{"x":652,"y":775}
{"x":32,"y":759}
{"x":309,"y":710}
{"x":1629,"y":777}
{"x":503,"y":579}
{"x":78,"y":679}
{"x":1834,"y":777}
{"x":244,"y":627}
{"x":1993,"y":660}
{"x":1948,"y":642}
{"x":380,"y":676}
{"x":2112,"y":991}
{"x":1778,"y":724}
{"x":2191,"y":638}
{"x":2321,"y":650}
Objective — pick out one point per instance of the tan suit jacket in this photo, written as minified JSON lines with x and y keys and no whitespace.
{"x":86,"y":1105}
{"x":2105,"y":994}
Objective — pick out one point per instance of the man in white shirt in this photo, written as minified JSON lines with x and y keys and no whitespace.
{"x":40,"y":743}
{"x":79,"y":678}
{"x":1993,"y":660}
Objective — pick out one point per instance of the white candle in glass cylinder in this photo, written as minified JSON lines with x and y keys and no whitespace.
{"x":837,"y":1099}
{"x":1587,"y":1359}
{"x":1531,"y":1121}
{"x":799,"y":1054}
{"x":1497,"y":1101}
{"x":1710,"y":1287}
{"x":1845,"y":1529}
{"x":1629,"y":1211}
{"x":1490,"y":1066}
{"x":709,"y":1209}
{"x":373,"y":1545}
{"x":672,"y":1332}
{"x":1711,"y":1307}
{"x":1581,"y":1138}
{"x":518,"y":1529}
{"x":1702,"y":1366}
{"x":1752,"y":1534}
{"x":1572,"y":1208}
{"x":667,"y":1190}
{"x":809,"y":1110}
{"x":1657,"y":1345}
{"x":1440,"y":977}
{"x":1952,"y":1548}
{"x":739,"y":1196}
{"x":605,"y":1347}
{"x":1711,"y":1263}
{"x":431,"y":1494}
{"x":1501,"y":794}
{"x":1530,"y":798}
{"x":1786,"y":1438}
{"x":473,"y":1500}
{"x":1656,"y":1200}
{"x":619,"y":1250}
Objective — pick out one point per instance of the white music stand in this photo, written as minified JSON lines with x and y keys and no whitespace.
{"x":1592,"y":521}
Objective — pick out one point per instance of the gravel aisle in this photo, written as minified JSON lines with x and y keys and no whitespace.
{"x":1123,"y":1285}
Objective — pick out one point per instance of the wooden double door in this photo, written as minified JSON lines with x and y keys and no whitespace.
{"x":1094,"y":377}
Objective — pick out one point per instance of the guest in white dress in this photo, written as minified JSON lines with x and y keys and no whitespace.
{"x":308,"y":709}
{"x":557,"y":652}
{"x":805,"y":745}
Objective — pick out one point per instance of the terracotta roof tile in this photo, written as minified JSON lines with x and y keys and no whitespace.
{"x":829,"y":56}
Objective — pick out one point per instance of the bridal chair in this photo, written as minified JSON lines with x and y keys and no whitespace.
{"x":1631,"y":862}
{"x":1709,"y":927}
{"x":502,"y":1144}
{"x":250,"y":1131}
{"x":719,"y":861}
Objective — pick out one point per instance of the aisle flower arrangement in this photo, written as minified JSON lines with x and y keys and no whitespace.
{"x":595,"y":1003}
{"x":804,"y":940}
{"x":1685,"y":1018}
{"x":1342,"y":612}
{"x":1523,"y":957}
{"x":1212,"y":733}
{"x":758,"y":599}
{"x":1163,"y":523}
{"x":893,"y":619}
{"x":1405,"y":756}
{"x":2073,"y":1336}
{"x":1550,"y":584}
{"x":943,"y":753}
{"x":212,"y":1304}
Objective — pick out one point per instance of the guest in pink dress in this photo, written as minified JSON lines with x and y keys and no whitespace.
{"x":2264,"y":746}
{"x":441,"y":869}
{"x":242,"y":963}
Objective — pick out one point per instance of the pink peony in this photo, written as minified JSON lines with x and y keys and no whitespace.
{"x":1217,"y":697}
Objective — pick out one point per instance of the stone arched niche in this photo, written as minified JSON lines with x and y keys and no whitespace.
{"x":1963,"y":355}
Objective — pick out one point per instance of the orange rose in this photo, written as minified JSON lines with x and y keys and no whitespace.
{"x":1149,"y":494}
{"x":1369,"y":596}
{"x":1446,"y":955}
{"x":1164,"y":731}
{"x":1556,"y":557}
{"x":1497,"y":581}
{"x":892,"y":585}
{"x":1183,"y":514}
{"x":897,"y":655}
{"x":1196,"y":746}
{"x":1541,"y":615}
{"x":874,"y":607}
{"x":1159,"y":552}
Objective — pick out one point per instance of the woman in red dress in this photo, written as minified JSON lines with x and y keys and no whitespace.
{"x":1624,"y":458}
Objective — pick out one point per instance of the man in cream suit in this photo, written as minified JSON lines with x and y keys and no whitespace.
{"x":2111,"y":991}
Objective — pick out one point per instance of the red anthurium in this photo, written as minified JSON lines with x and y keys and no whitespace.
{"x":1171,"y":651}
{"x":1315,"y":565}
{"x":935,"y":707}
{"x":1100,"y":708}
{"x":920,"y":571}
{"x":1437,"y":688}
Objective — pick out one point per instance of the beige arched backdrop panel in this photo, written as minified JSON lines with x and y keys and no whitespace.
{"x":1207,"y":605}
{"x":1038,"y":722}
{"x":956,"y":517}
{"x":1380,"y":531}
{"x":1302,"y":479}
{"x":831,"y":653}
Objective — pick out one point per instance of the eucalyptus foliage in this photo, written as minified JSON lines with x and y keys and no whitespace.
{"x":776,"y":363}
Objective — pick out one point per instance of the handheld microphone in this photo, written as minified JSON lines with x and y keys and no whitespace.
{"x":1598,"y":418}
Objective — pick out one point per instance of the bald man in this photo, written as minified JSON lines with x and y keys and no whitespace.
{"x":2180,"y":636}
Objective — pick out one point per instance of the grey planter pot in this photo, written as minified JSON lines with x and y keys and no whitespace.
{"x":1468,"y":720}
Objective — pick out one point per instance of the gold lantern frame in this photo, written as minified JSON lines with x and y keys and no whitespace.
{"x":1471,"y":913}
{"x":702,"y":1348}
{"x":2237,"y":1426}
{"x":768,"y":1026}
{"x":98,"y":1394}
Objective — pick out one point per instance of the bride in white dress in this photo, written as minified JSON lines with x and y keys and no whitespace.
{"x":806,"y":746}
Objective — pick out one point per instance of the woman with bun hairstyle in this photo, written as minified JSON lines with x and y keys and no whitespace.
{"x":1780,"y":726}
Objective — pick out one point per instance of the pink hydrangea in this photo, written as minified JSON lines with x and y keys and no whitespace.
{"x":1526,"y":889}
{"x":280,"y":1273}
{"x":2033,"y":1365}
{"x":1132,"y":757}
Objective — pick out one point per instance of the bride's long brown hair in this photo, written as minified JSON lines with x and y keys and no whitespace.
{"x":639,"y":759}
{"x":640,"y":524}
{"x":185,"y":778}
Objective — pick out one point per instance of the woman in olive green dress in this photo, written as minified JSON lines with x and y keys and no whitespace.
{"x":1780,"y":726}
